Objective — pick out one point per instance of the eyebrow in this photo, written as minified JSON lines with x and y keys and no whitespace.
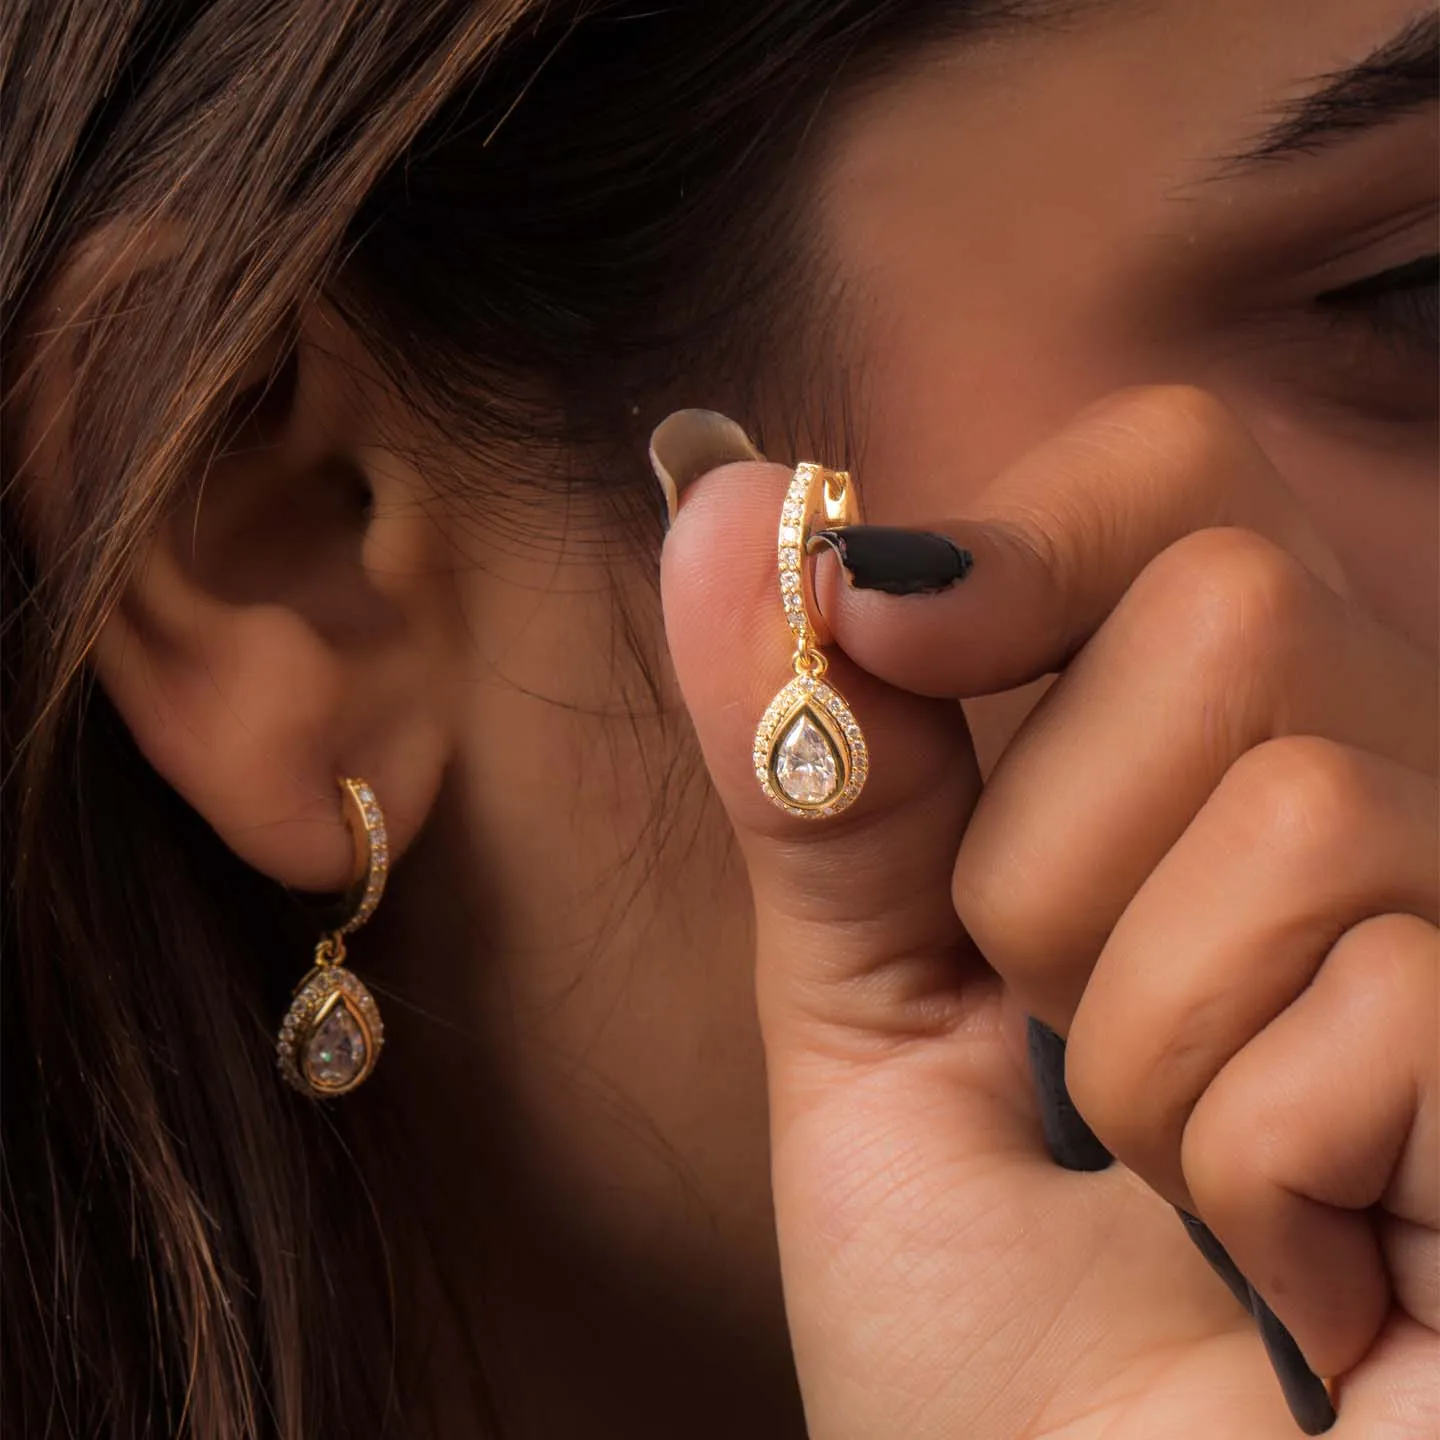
{"x":1396,"y":79}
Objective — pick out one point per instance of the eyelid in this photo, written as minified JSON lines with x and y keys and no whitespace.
{"x":1412,"y":274}
{"x":1377,"y":250}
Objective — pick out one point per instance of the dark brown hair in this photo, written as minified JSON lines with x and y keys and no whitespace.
{"x":539,"y":214}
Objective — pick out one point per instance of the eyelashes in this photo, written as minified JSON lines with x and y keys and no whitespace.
{"x":1401,"y":305}
{"x":1423,"y":270}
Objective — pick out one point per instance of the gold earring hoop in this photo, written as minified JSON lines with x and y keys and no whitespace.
{"x":810,"y":754}
{"x":332,"y":1033}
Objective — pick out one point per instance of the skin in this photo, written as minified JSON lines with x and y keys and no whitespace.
{"x":1024,"y":228}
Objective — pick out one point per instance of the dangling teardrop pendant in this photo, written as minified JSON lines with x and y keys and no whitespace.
{"x":810,"y":755}
{"x":332,"y":1033}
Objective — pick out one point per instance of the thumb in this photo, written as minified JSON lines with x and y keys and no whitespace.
{"x":904,"y":1140}
{"x":858,"y":938}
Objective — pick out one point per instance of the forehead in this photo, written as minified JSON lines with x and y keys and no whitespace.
{"x":1036,"y":215}
{"x":1200,"y":81}
{"x":1104,"y":121}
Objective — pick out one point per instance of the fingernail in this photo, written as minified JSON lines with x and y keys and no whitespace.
{"x":1210,"y":1247}
{"x":687,"y":444}
{"x":1071,"y":1142}
{"x":1074,"y":1145}
{"x":895,"y":561}
{"x":1304,"y":1390}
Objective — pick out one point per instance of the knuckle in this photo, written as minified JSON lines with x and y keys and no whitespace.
{"x":1386,"y":967}
{"x":1101,"y":1088}
{"x":1229,"y":602}
{"x":995,"y":915}
{"x":1182,"y":442}
{"x":1024,"y":940}
{"x":1299,"y":796}
{"x":1179,"y":451}
{"x":1135,"y":1096}
{"x":1224,"y":1150}
{"x":1182,"y":428}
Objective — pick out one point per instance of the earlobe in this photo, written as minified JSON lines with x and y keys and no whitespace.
{"x":264,"y":647}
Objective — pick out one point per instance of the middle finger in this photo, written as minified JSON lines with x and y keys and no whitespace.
{"x":1222,"y":644}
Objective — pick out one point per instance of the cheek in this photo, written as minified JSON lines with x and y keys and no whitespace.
{"x":1372,"y":497}
{"x":958,"y":385}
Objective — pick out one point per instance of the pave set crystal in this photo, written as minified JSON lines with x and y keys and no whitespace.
{"x":331,"y":1035}
{"x":792,"y":537}
{"x":378,"y":844}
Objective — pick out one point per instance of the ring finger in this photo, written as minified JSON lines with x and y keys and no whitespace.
{"x":1302,"y":841}
{"x":1290,"y":1193}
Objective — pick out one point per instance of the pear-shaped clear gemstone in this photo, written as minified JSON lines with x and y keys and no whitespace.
{"x":807,"y":768}
{"x":336,"y":1054}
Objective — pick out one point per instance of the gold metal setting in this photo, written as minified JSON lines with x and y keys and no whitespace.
{"x":810,"y":754}
{"x":332,"y":1033}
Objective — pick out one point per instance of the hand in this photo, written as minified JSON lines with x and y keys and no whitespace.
{"x":1144,"y":862}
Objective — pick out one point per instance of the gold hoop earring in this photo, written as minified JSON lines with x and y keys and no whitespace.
{"x":332,"y":1033}
{"x":810,"y":754}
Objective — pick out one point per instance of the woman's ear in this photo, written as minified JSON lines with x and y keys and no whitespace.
{"x":291,"y":620}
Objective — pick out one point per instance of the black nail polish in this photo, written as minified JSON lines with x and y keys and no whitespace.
{"x":1070,"y":1140}
{"x":1218,"y":1256}
{"x":1304,"y":1390}
{"x":1075,"y":1146}
{"x":895,"y":561}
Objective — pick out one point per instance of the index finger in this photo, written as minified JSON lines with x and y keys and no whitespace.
{"x":1059,"y":537}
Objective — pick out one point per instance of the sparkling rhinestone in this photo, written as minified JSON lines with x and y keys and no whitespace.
{"x":806,"y":765}
{"x":336,"y":1053}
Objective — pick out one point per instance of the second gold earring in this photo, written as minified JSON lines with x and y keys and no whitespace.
{"x":332,"y":1034}
{"x":810,"y":755}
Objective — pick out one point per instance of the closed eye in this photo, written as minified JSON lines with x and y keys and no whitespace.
{"x":1402,"y":304}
